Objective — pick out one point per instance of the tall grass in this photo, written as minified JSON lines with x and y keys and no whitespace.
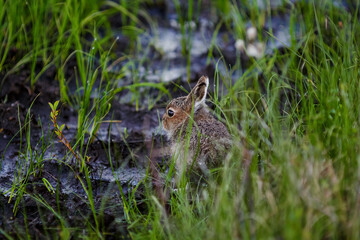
{"x":297,"y":110}
{"x":299,"y":114}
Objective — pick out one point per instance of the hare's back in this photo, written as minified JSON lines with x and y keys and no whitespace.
{"x":209,"y":127}
{"x":215,"y":141}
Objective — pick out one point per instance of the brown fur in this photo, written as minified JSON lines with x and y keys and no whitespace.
{"x":209,"y":138}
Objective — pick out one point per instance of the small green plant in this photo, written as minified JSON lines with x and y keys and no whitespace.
{"x":58,"y":130}
{"x":30,"y":161}
{"x":81,"y":160}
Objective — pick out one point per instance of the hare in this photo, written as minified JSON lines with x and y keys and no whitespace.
{"x":209,"y":139}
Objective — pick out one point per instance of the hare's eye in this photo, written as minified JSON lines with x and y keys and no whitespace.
{"x":170,"y":113}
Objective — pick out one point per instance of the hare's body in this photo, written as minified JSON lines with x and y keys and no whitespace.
{"x":207,"y":142}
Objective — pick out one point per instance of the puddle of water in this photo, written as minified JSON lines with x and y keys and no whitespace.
{"x":280,"y":29}
{"x":168,"y":42}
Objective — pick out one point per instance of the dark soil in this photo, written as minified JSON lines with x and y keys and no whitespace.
{"x":69,"y":201}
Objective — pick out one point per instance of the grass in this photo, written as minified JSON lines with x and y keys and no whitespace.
{"x":298,"y":109}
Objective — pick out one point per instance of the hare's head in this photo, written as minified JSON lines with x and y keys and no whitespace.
{"x":179,"y":109}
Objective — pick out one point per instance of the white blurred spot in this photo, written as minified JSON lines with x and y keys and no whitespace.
{"x":240,"y":45}
{"x":251,"y":34}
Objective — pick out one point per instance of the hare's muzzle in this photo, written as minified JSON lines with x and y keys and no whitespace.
{"x":164,"y":122}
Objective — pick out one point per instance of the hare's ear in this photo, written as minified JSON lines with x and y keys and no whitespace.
{"x":198,"y":93}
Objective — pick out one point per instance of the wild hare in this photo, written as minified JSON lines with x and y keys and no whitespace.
{"x":209,"y":139}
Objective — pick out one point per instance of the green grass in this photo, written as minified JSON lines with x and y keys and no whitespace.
{"x":298,"y":110}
